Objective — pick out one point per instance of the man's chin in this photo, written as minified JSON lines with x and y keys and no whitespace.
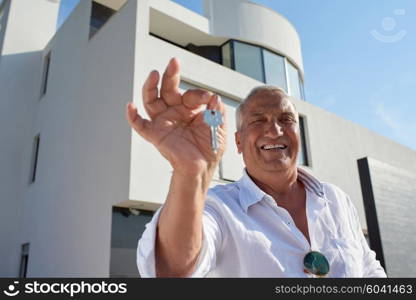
{"x":277,"y":165}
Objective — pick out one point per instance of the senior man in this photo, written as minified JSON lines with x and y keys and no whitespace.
{"x":276,"y":221}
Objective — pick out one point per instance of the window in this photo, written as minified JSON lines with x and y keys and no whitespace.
{"x":35,"y":153}
{"x":47,"y":62}
{"x":263,"y":65}
{"x":302,"y":90}
{"x":127,"y":226}
{"x":303,"y":157}
{"x":274,"y":69}
{"x":248,"y":60}
{"x":24,"y":259}
{"x":294,"y":81}
{"x":99,"y":16}
{"x":232,"y":164}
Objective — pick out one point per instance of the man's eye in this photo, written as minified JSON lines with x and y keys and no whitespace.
{"x":288,"y":120}
{"x":256,"y":121}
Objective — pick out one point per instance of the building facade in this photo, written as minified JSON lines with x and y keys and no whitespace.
{"x":78,"y":185}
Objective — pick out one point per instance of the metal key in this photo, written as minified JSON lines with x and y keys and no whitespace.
{"x":214,"y":119}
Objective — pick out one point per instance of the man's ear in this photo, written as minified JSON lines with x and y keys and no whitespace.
{"x":237,"y":136}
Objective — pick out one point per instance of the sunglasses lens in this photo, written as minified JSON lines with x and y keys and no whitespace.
{"x":316,"y":263}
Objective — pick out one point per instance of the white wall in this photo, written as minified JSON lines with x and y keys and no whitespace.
{"x":30,"y":25}
{"x":84,"y":151}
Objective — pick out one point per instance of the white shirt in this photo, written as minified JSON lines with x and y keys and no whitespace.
{"x":246,"y":234}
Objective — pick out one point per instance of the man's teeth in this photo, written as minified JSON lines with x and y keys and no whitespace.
{"x":268,"y":147}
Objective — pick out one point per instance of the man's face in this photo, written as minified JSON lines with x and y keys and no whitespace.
{"x":269,"y":135}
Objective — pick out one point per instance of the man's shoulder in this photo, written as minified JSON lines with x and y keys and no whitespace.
{"x":330,"y":188}
{"x":223,"y":195}
{"x":224,"y":191}
{"x":335,"y":195}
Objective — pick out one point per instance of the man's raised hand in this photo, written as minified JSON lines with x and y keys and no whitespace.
{"x":176,"y":126}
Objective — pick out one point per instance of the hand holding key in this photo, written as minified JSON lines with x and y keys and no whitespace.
{"x":177,"y":126}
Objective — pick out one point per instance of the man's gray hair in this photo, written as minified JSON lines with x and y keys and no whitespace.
{"x":253,"y":92}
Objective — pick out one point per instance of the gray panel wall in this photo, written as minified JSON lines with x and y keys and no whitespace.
{"x":393,"y":192}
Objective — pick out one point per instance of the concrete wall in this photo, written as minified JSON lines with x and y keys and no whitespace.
{"x":30,"y":25}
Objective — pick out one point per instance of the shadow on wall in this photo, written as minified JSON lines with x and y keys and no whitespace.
{"x":17,"y":103}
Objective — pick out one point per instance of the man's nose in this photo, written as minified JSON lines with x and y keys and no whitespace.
{"x":274,"y":129}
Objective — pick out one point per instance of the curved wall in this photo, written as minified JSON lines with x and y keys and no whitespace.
{"x":253,"y":23}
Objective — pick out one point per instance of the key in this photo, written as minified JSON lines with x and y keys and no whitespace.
{"x":214,"y":119}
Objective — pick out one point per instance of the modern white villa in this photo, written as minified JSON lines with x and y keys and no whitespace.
{"x":77,"y":185}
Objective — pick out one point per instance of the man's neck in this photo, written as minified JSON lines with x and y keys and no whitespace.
{"x":282,"y":186}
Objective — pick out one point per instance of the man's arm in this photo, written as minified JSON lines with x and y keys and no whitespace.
{"x":178,"y":131}
{"x":179,"y":233}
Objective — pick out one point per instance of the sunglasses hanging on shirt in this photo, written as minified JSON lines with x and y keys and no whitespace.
{"x":316,"y":263}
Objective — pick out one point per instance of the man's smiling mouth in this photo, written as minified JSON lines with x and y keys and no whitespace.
{"x":274,"y":147}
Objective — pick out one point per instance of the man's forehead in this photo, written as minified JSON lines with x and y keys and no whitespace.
{"x":268,"y":100}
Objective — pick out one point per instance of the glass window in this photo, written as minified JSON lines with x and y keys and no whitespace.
{"x":232,"y":164}
{"x":127,"y":226}
{"x":303,"y":158}
{"x":302,"y":89}
{"x":274,"y":69}
{"x":294,"y":81}
{"x":226,"y":55}
{"x":248,"y":60}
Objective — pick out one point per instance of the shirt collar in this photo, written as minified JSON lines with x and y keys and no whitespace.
{"x":311,"y":182}
{"x":250,"y":193}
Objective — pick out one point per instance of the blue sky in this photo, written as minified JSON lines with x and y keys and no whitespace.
{"x":359,"y":58}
